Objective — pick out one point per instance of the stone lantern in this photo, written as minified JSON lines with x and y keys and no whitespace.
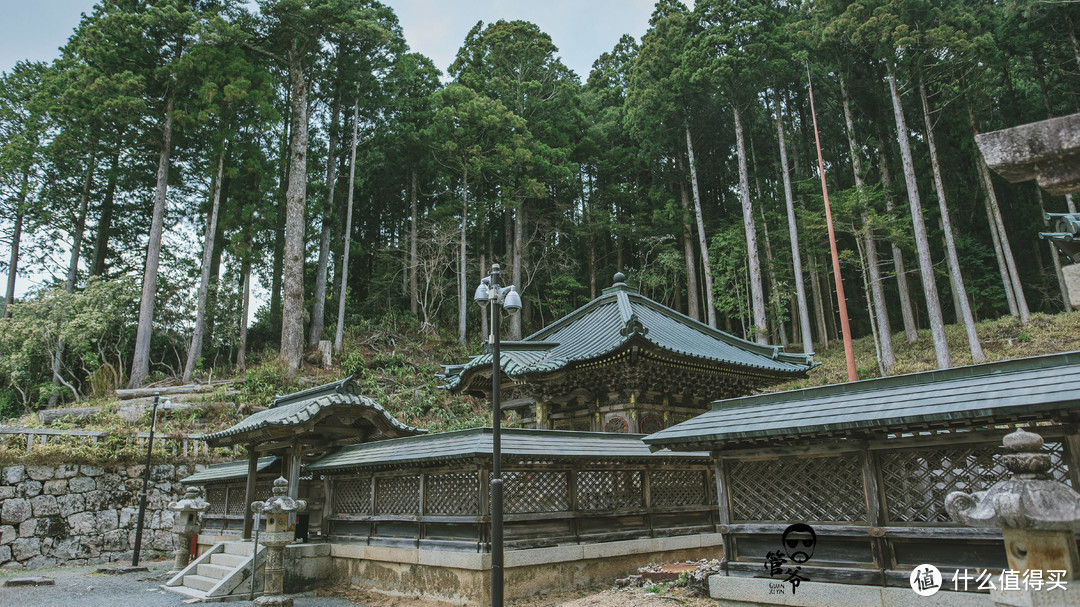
{"x":278,"y":534}
{"x":187,"y":523}
{"x":1038,"y":519}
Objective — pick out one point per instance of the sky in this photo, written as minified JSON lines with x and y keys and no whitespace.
{"x":581,"y":29}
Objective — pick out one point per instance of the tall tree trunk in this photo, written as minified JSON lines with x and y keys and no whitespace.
{"x":518,"y":273}
{"x":819,"y":304}
{"x":414,"y":218}
{"x":964,"y":313}
{"x":774,"y":288}
{"x":73,"y":269}
{"x":875,"y":331}
{"x":1075,"y":42}
{"x":880,"y":320}
{"x":278,"y":259}
{"x":793,"y":236}
{"x":215,"y":264}
{"x":702,"y":241}
{"x":462,"y":277}
{"x":318,"y":307}
{"x":195,"y":351}
{"x":1002,"y":270}
{"x":292,"y":308}
{"x":245,"y":302}
{"x":101,"y":239}
{"x":339,"y":332}
{"x":693,"y":300}
{"x":922,"y":246}
{"x":757,"y":295}
{"x":998,"y":225}
{"x":140,"y":363}
{"x":904,"y":291}
{"x":16,"y":236}
{"x":1054,"y":255}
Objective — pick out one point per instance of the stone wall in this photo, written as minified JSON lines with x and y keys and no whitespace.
{"x":80,"y":514}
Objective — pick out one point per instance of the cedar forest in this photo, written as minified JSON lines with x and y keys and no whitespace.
{"x":178,"y":150}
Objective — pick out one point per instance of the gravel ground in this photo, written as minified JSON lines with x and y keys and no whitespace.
{"x":83,"y":587}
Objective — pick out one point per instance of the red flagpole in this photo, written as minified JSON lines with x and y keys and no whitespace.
{"x":845,"y":327}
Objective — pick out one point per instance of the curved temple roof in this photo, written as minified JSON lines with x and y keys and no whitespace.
{"x":609,"y":322}
{"x":516,"y":443}
{"x":332,"y":412}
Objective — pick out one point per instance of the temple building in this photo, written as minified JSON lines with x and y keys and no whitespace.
{"x":624,"y":363}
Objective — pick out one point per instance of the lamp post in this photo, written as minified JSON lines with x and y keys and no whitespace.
{"x":490,"y":293}
{"x":146,"y":481}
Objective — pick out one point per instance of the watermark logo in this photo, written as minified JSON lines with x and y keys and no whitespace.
{"x":797,"y":546}
{"x":925,"y":580}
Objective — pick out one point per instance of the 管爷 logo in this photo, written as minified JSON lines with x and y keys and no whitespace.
{"x":797,"y":546}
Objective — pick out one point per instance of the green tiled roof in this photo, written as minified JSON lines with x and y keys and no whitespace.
{"x":1031,"y":387}
{"x":610,"y":321}
{"x":476,"y":442}
{"x":307,"y":408}
{"x":226,"y":472}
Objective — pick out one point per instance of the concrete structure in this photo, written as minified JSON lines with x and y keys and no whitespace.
{"x":187,"y":523}
{"x":279,"y":533}
{"x":1046,"y":151}
{"x":1038,"y":517}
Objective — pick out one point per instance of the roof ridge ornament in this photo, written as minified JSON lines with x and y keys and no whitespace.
{"x":634,"y":326}
{"x":341,"y":386}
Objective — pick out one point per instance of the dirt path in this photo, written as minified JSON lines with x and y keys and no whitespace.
{"x":616,"y":597}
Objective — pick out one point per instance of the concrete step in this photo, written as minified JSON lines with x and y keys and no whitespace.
{"x":239,"y":548}
{"x":198,"y":582}
{"x":217,"y":572}
{"x":184,"y":590}
{"x":228,"y":560}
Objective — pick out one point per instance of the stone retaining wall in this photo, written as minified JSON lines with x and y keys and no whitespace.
{"x":80,"y":514}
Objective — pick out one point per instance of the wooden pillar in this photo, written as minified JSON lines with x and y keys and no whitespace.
{"x":294,"y":470}
{"x":723,"y":505}
{"x":294,"y":478}
{"x":328,"y":505}
{"x":1072,"y":454}
{"x":249,"y":491}
{"x":875,"y":515}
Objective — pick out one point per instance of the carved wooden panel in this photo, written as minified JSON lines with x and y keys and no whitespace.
{"x":398,"y":495}
{"x":238,"y":497}
{"x":455,"y":493}
{"x":916,"y":481}
{"x":678,"y":488}
{"x":824,"y":489}
{"x":215,"y":494}
{"x":609,"y":489}
{"x":352,"y":496}
{"x":535,"y":491}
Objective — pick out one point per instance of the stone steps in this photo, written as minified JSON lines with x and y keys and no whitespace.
{"x":228,"y":560}
{"x":219,"y":573}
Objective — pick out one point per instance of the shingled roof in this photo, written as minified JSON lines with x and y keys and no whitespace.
{"x":1038,"y":388}
{"x":619,"y":316}
{"x":335,"y":412}
{"x":220,"y":473}
{"x":476,"y":443}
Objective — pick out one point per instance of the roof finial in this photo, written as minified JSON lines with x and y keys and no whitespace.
{"x":620,"y":279}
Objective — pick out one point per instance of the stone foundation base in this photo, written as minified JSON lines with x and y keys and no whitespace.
{"x":761,"y":592}
{"x":465,"y":577}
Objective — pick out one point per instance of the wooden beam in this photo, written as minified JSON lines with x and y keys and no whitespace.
{"x":249,"y":491}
